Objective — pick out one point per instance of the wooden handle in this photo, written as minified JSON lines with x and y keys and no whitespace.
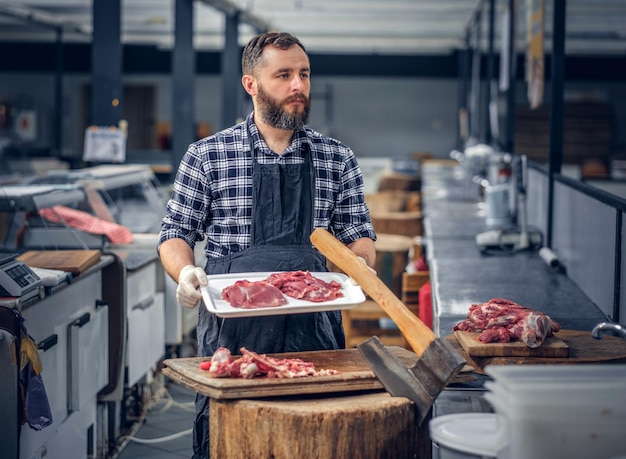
{"x":418,"y":335}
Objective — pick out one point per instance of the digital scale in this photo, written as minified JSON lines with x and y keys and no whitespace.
{"x":16,"y":278}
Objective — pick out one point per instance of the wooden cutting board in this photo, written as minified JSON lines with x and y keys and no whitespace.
{"x":551,"y":347}
{"x":73,"y":261}
{"x":355,"y":375}
{"x":583,"y":349}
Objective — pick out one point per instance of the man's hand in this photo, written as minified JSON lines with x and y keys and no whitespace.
{"x":189,"y":281}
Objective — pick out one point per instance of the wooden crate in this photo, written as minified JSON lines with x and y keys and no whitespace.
{"x":392,"y":256}
{"x":411,"y":284}
{"x":363,"y":321}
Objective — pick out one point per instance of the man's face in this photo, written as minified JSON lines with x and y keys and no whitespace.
{"x":290,"y":113}
{"x":284,"y":87}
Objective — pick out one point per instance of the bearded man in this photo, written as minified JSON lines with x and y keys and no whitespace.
{"x":255,"y":192}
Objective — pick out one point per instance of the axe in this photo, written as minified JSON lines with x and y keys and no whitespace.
{"x":438,"y":361}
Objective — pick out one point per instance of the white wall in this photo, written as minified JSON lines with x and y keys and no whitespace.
{"x":392,"y":117}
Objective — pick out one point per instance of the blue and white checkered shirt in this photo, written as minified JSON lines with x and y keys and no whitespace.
{"x":212,"y":194}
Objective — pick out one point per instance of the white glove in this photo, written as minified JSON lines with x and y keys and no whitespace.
{"x":189,"y":281}
{"x":362,"y":260}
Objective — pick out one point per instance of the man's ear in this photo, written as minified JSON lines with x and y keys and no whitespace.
{"x":249,"y":84}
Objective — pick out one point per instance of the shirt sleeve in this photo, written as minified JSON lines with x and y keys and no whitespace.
{"x":188,"y":207}
{"x":351,"y":220}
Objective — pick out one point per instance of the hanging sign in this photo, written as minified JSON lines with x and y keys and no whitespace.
{"x":26,"y":125}
{"x":535,"y":53}
{"x":105,"y":144}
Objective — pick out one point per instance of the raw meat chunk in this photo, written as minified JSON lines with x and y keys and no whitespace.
{"x":270,"y":291}
{"x":305,"y":286}
{"x":248,"y":295}
{"x":251,"y":364}
{"x":501,"y":321}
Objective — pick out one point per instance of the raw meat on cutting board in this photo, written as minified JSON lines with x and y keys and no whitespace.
{"x":251,"y":364}
{"x":502,"y":321}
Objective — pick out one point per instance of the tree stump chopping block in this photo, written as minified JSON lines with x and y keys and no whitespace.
{"x":361,"y":426}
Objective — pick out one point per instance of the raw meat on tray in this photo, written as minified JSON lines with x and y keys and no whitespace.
{"x":270,"y":292}
{"x":251,"y":364}
{"x":248,"y":295}
{"x":304,"y":286}
{"x":501,"y":321}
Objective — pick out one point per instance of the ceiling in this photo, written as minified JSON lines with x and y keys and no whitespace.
{"x":324,"y":26}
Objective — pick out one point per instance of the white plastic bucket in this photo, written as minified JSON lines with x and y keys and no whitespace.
{"x":561,"y":412}
{"x":467,"y":436}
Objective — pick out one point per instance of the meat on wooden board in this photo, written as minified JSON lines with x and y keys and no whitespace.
{"x":501,"y":321}
{"x":269,"y":292}
{"x":251,"y":364}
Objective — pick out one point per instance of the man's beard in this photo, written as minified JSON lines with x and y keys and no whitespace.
{"x":273,"y":113}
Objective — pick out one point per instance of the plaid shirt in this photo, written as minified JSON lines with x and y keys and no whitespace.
{"x":212,"y":194}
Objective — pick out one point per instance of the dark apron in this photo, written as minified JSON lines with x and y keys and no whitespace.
{"x":282,"y":220}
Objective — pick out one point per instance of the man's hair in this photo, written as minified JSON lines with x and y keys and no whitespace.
{"x":253,"y":52}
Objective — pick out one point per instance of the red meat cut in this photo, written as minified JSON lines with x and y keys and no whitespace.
{"x":304,"y":286}
{"x":500,"y":321}
{"x":251,"y":364}
{"x":248,"y":295}
{"x":270,"y":291}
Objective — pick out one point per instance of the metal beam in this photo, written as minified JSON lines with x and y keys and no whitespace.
{"x":555,"y":155}
{"x":231,"y":59}
{"x":475,"y":117}
{"x":58,"y":95}
{"x":183,"y":77}
{"x":464,"y":76}
{"x":230,"y":9}
{"x":490,"y":95}
{"x":106,"y":64}
{"x":39,"y":18}
{"x":510,"y":93}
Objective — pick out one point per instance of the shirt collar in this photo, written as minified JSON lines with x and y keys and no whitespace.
{"x":298,"y":140}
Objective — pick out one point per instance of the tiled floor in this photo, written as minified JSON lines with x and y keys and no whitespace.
{"x":172,"y":414}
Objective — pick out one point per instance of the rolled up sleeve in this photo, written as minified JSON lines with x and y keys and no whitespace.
{"x":188,"y":207}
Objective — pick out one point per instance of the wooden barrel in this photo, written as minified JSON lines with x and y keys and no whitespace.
{"x":394,"y":201}
{"x":392,"y":256}
{"x":399,"y":181}
{"x":402,"y":223}
{"x":360,"y":426}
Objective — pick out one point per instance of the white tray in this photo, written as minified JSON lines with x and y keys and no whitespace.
{"x":212,"y":296}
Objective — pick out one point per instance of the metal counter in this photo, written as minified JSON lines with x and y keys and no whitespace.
{"x":144,"y":313}
{"x":461,"y":275}
{"x":70,"y":327}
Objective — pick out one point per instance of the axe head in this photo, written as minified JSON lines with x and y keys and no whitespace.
{"x":421,"y":383}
